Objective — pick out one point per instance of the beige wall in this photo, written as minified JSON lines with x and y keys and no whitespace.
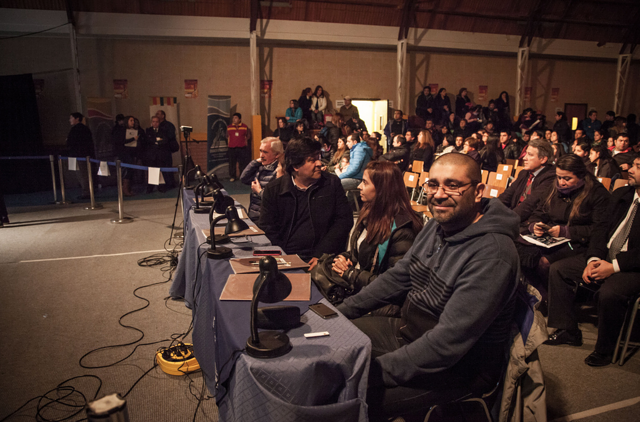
{"x":158,"y":68}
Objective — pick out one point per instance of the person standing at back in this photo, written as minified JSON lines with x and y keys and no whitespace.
{"x":80,"y":144}
{"x":239,"y":136}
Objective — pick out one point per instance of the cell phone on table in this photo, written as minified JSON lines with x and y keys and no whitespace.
{"x":323,"y":310}
{"x":267,"y":252}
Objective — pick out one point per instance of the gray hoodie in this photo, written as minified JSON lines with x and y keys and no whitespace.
{"x":466,"y":283}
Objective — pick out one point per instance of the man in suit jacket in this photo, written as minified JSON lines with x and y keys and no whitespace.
{"x":523,"y":194}
{"x":613,"y":262}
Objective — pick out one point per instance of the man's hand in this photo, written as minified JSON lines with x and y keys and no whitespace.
{"x":341,"y":264}
{"x":603,"y":270}
{"x":255,"y":186}
{"x":587,"y":274}
{"x":313,"y":262}
{"x":624,"y":167}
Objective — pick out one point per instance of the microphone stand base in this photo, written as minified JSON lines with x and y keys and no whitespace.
{"x":123,"y":220}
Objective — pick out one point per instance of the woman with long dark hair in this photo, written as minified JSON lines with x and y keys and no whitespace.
{"x":341,"y":150}
{"x":442,"y":105}
{"x":463,"y":103}
{"x":318,"y":105}
{"x":294,"y":112}
{"x":504,"y":111}
{"x":571,"y":209}
{"x":284,"y":132}
{"x":304,"y":102}
{"x":385,"y":229}
{"x":130,"y":152}
{"x":561,"y":127}
{"x":491,"y":154}
{"x":602,"y":165}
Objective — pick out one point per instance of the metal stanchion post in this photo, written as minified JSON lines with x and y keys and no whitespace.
{"x":179,"y":235}
{"x":121,"y":218}
{"x":62,"y":193}
{"x":92,"y":205}
{"x":52,"y":161}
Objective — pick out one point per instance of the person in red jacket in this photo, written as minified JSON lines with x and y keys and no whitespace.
{"x":239,"y":136}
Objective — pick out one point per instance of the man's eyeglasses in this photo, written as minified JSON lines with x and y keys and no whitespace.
{"x":451,"y":189}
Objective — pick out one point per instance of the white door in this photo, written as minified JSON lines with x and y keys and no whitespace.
{"x":380,"y":118}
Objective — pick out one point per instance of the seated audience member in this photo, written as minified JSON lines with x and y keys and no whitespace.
{"x":609,"y":118}
{"x":284,"y":132}
{"x":492,"y":155}
{"x":442,"y":105}
{"x":474,"y":118}
{"x":327,"y":149}
{"x":463,"y":103}
{"x":528,"y":120}
{"x":299,"y":130}
{"x":510,"y":148}
{"x":602,"y":165}
{"x":396,"y":126}
{"x":571,"y":208}
{"x":462,"y":129}
{"x":304,"y":102}
{"x":318,"y":106}
{"x":619,"y":127}
{"x":471,"y":149}
{"x":561,"y":127}
{"x":359,"y":156}
{"x":504,"y":111}
{"x":591,"y":124}
{"x":385,"y":229}
{"x":399,"y":153}
{"x":458,"y":145}
{"x":457,"y":287}
{"x":348,"y":110}
{"x":558,"y":152}
{"x":452,"y":123}
{"x":356,"y":123}
{"x":555,"y":140}
{"x":612,"y":264}
{"x":622,"y":153}
{"x":578,"y":136}
{"x":341,"y":151}
{"x":260,"y":172}
{"x":633,"y":129}
{"x":410,"y":136}
{"x":582,"y":150}
{"x":342,"y":165}
{"x":332,"y":130}
{"x":306,"y":212}
{"x":490,"y":112}
{"x":532,"y":182}
{"x":424,"y":104}
{"x":423,"y":150}
{"x":547,"y":135}
{"x":294,"y":112}
{"x":375,"y":147}
{"x":598,"y":137}
{"x":489,"y":127}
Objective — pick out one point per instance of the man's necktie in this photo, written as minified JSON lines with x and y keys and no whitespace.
{"x":618,"y":242}
{"x":527,"y":189}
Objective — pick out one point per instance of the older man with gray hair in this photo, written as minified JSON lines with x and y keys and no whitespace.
{"x":260,"y":172}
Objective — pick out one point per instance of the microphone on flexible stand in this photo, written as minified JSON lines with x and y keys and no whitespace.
{"x":198,"y":176}
{"x":197,"y":190}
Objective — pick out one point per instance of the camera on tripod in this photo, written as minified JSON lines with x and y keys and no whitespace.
{"x":186,"y":129}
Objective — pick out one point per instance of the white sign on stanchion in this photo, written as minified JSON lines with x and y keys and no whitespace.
{"x":103,"y":170}
{"x":155,"y":176}
{"x":72,"y":164}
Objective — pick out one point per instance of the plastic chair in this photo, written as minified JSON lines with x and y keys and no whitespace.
{"x":627,"y":328}
{"x":355,"y":193}
{"x":461,"y":396}
{"x":417,"y":166}
{"x":606,"y":182}
{"x":517,"y":172}
{"x":620,"y":183}
{"x":505,"y":169}
{"x":512,"y":163}
{"x":411,"y":181}
{"x":485,"y":176}
{"x":492,"y":191}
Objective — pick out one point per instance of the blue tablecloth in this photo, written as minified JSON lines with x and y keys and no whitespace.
{"x":320,"y":379}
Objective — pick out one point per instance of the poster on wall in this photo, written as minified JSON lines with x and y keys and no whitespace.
{"x":555,"y":92}
{"x":120,"y":89}
{"x":265,"y":88}
{"x":218,"y":116}
{"x":482,"y":92}
{"x":434,"y":88}
{"x":38,"y":85}
{"x":527,"y":93}
{"x":191,"y":88}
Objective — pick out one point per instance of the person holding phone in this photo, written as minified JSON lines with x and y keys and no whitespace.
{"x":260,"y":172}
{"x":571,"y":208}
{"x":385,"y":229}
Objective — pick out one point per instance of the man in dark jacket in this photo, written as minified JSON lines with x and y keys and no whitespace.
{"x":510,"y":148}
{"x":260,"y":172}
{"x":395,"y":126}
{"x":612,"y":263}
{"x":524,"y":193}
{"x":80,"y":144}
{"x":158,"y":148}
{"x":622,"y":153}
{"x":306,"y":212}
{"x":399,"y":153}
{"x":457,"y":285}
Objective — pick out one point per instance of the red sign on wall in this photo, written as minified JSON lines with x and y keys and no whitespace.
{"x":191,"y":88}
{"x":555,"y":92}
{"x":527,"y":93}
{"x":482,"y":92}
{"x":265,"y":88}
{"x":120,"y":89}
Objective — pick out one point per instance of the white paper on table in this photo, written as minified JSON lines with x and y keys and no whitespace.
{"x":72,"y":164}
{"x":155,"y":176}
{"x":103,"y":170}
